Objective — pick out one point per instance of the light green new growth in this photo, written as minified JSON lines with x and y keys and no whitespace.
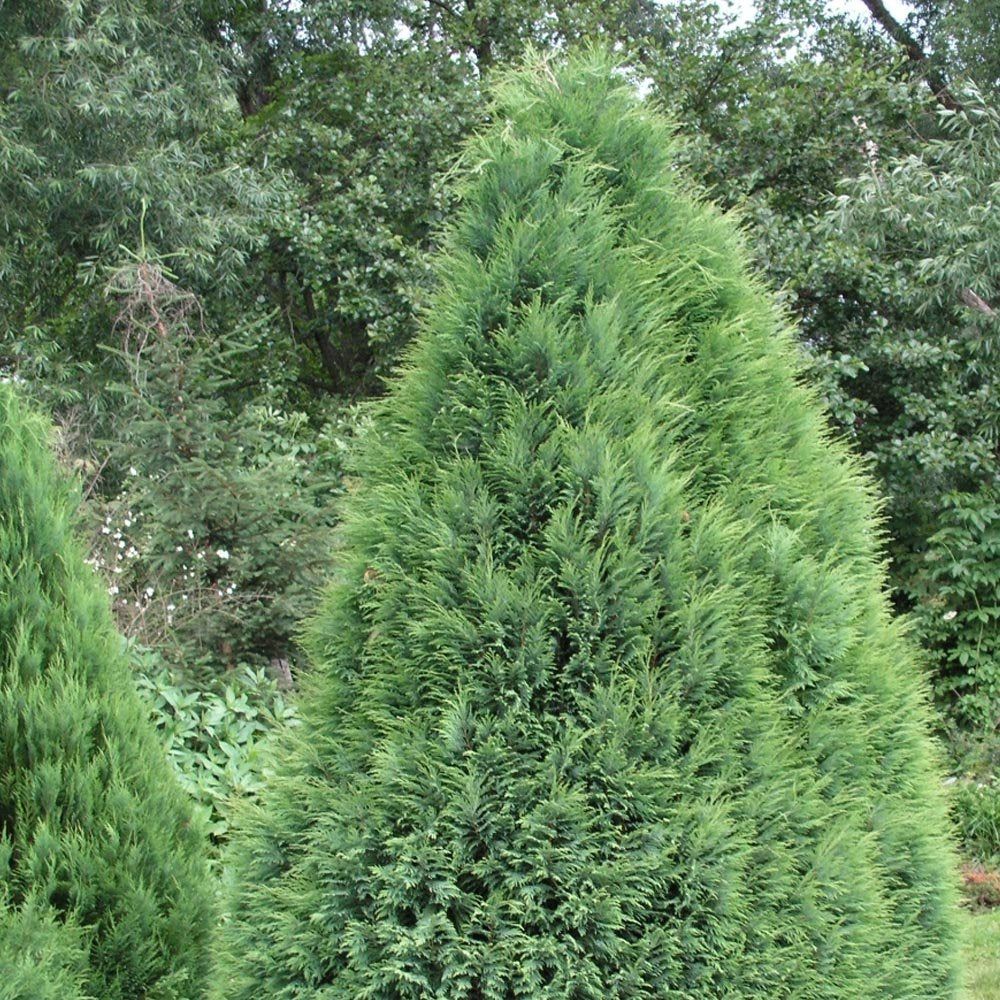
{"x":607,"y":699}
{"x":103,"y":889}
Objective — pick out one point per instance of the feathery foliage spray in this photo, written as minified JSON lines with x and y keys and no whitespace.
{"x":103,"y":891}
{"x":607,"y":698}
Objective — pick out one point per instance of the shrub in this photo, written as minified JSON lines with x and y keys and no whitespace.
{"x":101,"y":868}
{"x":607,"y":699}
{"x":42,"y":958}
{"x":215,"y":735}
{"x":975,"y":793}
{"x":955,"y":593}
{"x":213,"y":511}
{"x":977,"y":816}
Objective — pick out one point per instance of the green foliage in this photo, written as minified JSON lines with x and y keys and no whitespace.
{"x":975,"y":792}
{"x":101,"y":867}
{"x":749,"y":98}
{"x":957,"y":609}
{"x":607,"y":699}
{"x":894,"y":289}
{"x":215,"y":734}
{"x":362,"y":133}
{"x":41,"y":957}
{"x":84,"y":159}
{"x":214,"y":511}
{"x":977,"y":814}
{"x":364,"y":105}
{"x":962,"y":38}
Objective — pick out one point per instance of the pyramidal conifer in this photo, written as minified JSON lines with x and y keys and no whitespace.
{"x":608,"y":702}
{"x":103,"y":890}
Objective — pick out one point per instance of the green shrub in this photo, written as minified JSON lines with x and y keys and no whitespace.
{"x":215,"y":735}
{"x":42,"y":958}
{"x":977,"y":816}
{"x":101,"y":867}
{"x":956,"y":593}
{"x":213,"y":512}
{"x":975,"y":793}
{"x":607,"y":699}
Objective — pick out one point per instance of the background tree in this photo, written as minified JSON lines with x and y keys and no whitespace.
{"x":365,"y":105}
{"x":102,"y":873}
{"x":112,"y":125}
{"x":213,"y":520}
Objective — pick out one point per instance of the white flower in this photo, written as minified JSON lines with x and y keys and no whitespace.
{"x":190,"y":533}
{"x":222,"y":554}
{"x":171,"y":607}
{"x":149,"y":591}
{"x":133,"y":471}
{"x":180,"y":548}
{"x":105,"y":530}
{"x":948,"y":615}
{"x":113,"y":589}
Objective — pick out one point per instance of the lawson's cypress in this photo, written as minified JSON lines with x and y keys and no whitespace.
{"x":607,"y":701}
{"x":103,"y":889}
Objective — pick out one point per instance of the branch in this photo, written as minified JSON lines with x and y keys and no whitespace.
{"x":973,"y":301}
{"x":443,"y":6}
{"x":916,"y":54}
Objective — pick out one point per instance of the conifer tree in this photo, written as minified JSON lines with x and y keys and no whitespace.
{"x":103,"y":891}
{"x":607,"y":699}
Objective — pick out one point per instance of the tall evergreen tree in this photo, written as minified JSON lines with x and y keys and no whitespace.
{"x":103,"y":891}
{"x":608,"y":701}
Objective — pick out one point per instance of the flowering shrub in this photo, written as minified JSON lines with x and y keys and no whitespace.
{"x":213,"y":514}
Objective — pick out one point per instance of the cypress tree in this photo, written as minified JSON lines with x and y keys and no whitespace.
{"x":103,"y":891}
{"x":607,"y":699}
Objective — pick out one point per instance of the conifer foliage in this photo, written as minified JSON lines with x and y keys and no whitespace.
{"x":103,"y":891}
{"x":607,"y":699}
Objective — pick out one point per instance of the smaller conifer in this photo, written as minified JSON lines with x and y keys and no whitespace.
{"x":103,"y":889}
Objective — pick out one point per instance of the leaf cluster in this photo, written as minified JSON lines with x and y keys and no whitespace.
{"x":215,"y":734}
